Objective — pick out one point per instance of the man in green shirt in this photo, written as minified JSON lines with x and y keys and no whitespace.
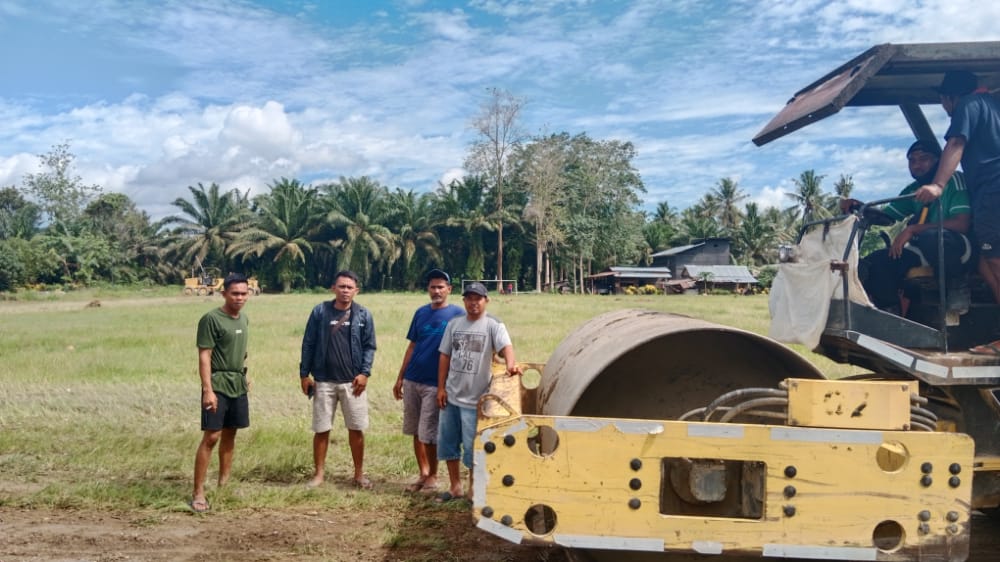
{"x":916,"y":245}
{"x":222,"y":351}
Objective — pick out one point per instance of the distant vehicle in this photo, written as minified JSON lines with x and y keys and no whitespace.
{"x":205,"y":284}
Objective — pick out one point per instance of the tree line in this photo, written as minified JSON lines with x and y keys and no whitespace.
{"x":539,"y":210}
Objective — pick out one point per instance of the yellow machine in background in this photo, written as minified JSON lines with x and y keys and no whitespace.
{"x":205,"y":284}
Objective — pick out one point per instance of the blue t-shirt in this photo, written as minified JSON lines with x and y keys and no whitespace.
{"x":425,"y":332}
{"x":977,"y":118}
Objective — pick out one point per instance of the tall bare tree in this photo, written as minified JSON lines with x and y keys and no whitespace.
{"x":543,"y":165}
{"x":499,"y":134}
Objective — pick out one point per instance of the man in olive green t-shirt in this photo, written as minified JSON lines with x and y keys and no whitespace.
{"x":222,"y":351}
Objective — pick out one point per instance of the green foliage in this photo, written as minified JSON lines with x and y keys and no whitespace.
{"x":11,"y":267}
{"x":206,"y":226}
{"x":765,"y":276}
{"x":61,"y":195}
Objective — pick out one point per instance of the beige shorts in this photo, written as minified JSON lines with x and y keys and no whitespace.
{"x":328,"y":395}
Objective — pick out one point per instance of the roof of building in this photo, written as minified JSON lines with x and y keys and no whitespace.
{"x":681,"y":249}
{"x":720,"y":273}
{"x":676,"y":250}
{"x":628,"y":272}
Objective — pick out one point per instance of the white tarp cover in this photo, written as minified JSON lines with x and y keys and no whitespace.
{"x":801,"y":291}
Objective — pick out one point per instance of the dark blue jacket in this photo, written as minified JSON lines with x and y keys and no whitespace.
{"x":315,"y":341}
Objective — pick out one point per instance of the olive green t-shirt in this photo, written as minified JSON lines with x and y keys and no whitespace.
{"x":227,"y":338}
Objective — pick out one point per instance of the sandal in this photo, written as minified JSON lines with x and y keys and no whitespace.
{"x":199,"y":506}
{"x":992,"y":348}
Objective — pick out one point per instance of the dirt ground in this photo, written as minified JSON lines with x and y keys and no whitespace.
{"x":70,"y":535}
{"x":309,"y":536}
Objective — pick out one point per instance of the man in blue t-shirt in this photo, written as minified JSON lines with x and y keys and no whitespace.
{"x":973,"y":138}
{"x":417,"y":382}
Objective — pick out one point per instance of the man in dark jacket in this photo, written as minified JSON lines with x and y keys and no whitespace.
{"x":338,"y":349}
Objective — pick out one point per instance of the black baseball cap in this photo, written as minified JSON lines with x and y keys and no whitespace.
{"x":438,"y":274}
{"x":958,"y":83}
{"x":930,"y":147}
{"x":475,"y":289}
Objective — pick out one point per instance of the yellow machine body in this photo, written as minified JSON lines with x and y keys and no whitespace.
{"x":712,"y":488}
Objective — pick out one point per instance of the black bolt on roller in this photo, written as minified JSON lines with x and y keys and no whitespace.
{"x":955,"y":468}
{"x":954,"y":481}
{"x":789,"y":510}
{"x":635,"y":483}
{"x":507,"y":520}
{"x":791,"y":471}
{"x":924,"y":515}
{"x":508,"y":480}
{"x":490,"y":446}
{"x":487,"y":512}
{"x":926,"y":468}
{"x":790,"y":491}
{"x":636,"y":464}
{"x":634,"y":503}
{"x":509,"y":440}
{"x":926,"y":480}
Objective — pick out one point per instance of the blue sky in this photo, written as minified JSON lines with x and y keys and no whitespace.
{"x":156,"y":96}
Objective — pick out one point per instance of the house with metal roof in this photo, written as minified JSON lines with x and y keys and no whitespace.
{"x":615,"y":279}
{"x":736,"y":278}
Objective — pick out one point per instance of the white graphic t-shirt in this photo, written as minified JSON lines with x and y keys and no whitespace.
{"x":471,"y":346}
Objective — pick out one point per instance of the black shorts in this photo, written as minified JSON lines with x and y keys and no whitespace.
{"x":986,"y":224}
{"x":232,"y":413}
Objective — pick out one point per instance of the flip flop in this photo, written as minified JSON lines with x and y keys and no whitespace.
{"x":416,"y":487}
{"x":992,"y":348}
{"x":446,"y":497}
{"x":199,"y":506}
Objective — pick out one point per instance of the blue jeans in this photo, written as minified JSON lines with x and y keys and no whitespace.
{"x":456,"y":427}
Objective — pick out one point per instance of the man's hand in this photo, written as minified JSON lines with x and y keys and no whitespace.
{"x":514,"y":370}
{"x":896,"y":250}
{"x":928,"y":193}
{"x":397,"y":389}
{"x":307,"y":383}
{"x":209,"y":400}
{"x":442,"y":398}
{"x":359,"y":384}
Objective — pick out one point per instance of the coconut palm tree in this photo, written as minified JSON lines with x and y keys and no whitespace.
{"x":755,"y":239}
{"x":728,"y":196}
{"x":208,"y":223}
{"x":284,"y":232}
{"x":809,"y":196}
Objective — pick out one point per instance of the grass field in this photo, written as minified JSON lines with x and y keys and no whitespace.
{"x":99,"y":404}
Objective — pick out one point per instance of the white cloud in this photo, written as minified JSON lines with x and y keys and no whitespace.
{"x":234,"y":93}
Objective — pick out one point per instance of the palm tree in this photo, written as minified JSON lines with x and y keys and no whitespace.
{"x":357,"y":206}
{"x":207,"y":224}
{"x":809,"y":195}
{"x":287,"y":223}
{"x":412,"y":221}
{"x":461,"y":204}
{"x":727,"y":196}
{"x":755,"y":238}
{"x":697,"y":225}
